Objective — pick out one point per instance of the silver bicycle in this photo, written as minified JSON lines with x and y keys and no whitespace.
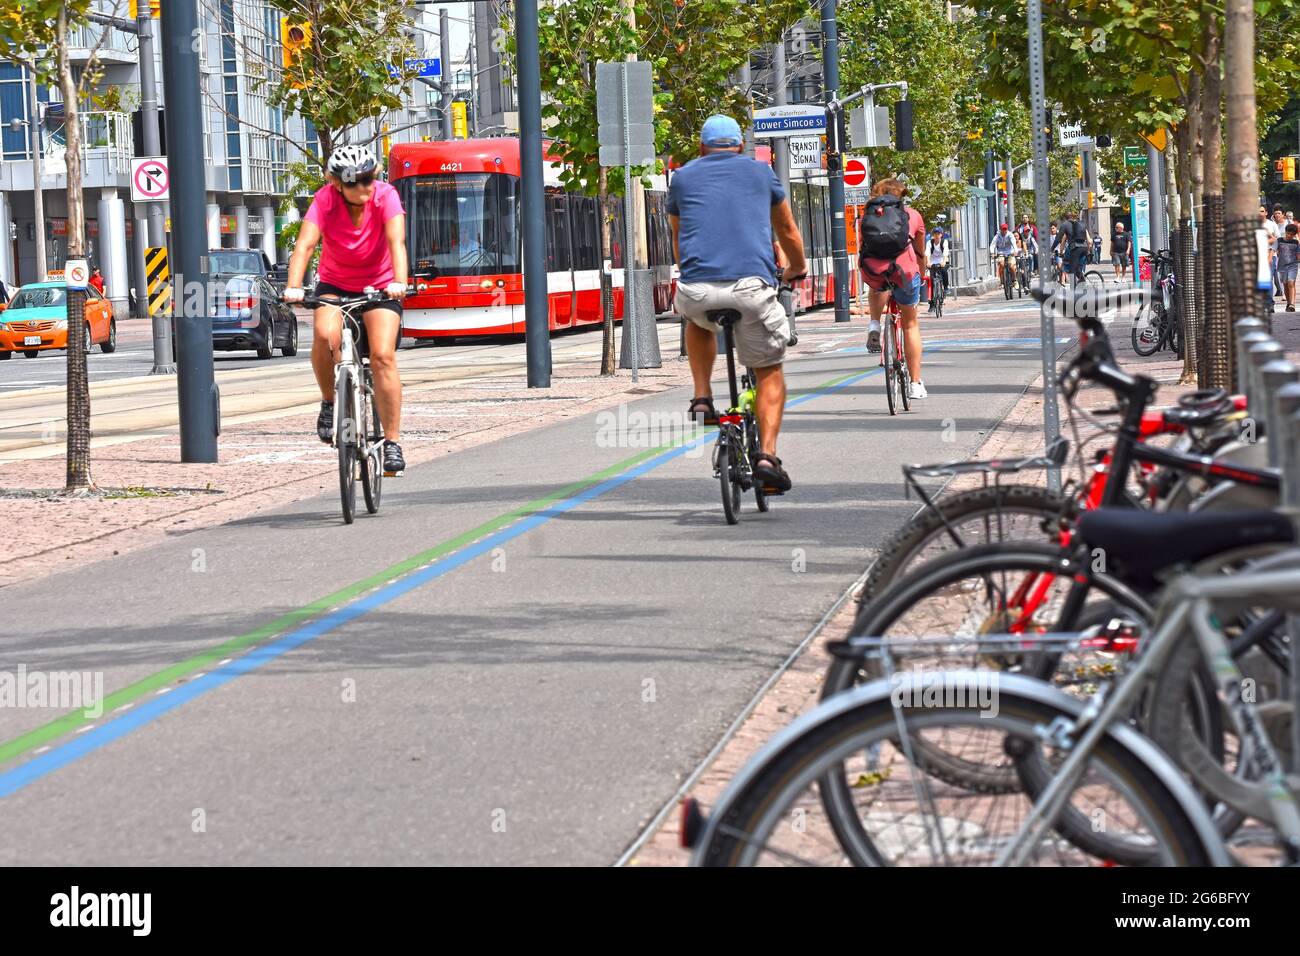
{"x":360,"y":448}
{"x":1074,"y":756}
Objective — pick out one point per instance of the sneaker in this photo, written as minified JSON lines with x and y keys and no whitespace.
{"x":325,"y":422}
{"x":1290,"y":308}
{"x":918,"y":391}
{"x":394,"y":463}
{"x":873,"y":337}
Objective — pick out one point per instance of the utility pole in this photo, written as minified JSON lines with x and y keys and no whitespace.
{"x":163,"y":360}
{"x":1047,"y":321}
{"x":781,"y":147}
{"x":834,"y":158}
{"x":990,"y":184}
{"x":537,"y":332}
{"x":1011,"y":191}
{"x":199,"y":399}
{"x":444,"y":48}
{"x":38,"y":194}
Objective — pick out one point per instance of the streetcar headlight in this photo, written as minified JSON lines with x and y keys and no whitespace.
{"x":485,"y":285}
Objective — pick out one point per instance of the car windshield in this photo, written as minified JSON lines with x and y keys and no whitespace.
{"x":39,"y":298}
{"x":229,"y":263}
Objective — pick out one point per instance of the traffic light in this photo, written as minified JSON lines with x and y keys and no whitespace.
{"x":1092,"y":200}
{"x":155,"y":9}
{"x":1279,"y":170}
{"x":1002,"y":185}
{"x":1103,"y":141}
{"x":1288,"y":171}
{"x":1078,"y":166}
{"x":295,"y":35}
{"x":1047,"y":128}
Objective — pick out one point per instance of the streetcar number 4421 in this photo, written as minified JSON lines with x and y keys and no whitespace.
{"x":452,"y":167}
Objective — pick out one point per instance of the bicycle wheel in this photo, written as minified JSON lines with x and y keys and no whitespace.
{"x":372,"y":471}
{"x":1006,"y":281}
{"x":752,"y":445}
{"x":772,"y":815}
{"x":727,"y":478}
{"x":979,"y":516}
{"x":1146,"y":339}
{"x":345,"y":437}
{"x":904,"y":377}
{"x":888,"y":344}
{"x":1174,"y":333}
{"x":1095,"y":279}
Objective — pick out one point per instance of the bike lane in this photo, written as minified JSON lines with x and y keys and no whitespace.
{"x":529,"y":697}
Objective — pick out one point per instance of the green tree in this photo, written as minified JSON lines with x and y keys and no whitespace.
{"x":34,"y":35}
{"x":341,"y":78}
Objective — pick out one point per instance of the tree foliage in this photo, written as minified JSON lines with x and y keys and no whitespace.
{"x":342,"y":78}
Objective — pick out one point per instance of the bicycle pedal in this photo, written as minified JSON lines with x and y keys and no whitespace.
{"x":394,"y":474}
{"x":772,"y":492}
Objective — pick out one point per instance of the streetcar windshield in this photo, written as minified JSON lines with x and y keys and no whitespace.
{"x":461,"y":224}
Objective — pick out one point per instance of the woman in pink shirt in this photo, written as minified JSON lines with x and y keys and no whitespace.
{"x":362,"y":228}
{"x":900,"y":277}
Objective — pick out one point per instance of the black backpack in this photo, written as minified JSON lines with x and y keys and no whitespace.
{"x":886,"y":229}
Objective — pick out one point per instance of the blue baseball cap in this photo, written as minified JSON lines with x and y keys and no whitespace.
{"x":721,"y":131}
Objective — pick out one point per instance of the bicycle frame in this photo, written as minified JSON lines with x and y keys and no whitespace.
{"x":1189,"y":604}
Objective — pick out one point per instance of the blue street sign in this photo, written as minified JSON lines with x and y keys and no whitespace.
{"x":788,"y":120}
{"x":429,"y":66}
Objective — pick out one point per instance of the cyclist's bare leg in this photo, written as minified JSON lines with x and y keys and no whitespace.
{"x":326,"y":340}
{"x":876,"y":303}
{"x":701,"y":352}
{"x":769,"y":405}
{"x":907,"y":318}
{"x":381,"y":334}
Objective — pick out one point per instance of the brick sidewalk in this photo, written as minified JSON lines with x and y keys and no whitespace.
{"x":797,"y":689}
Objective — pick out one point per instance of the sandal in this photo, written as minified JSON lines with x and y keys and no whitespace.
{"x":703,"y":406}
{"x":768,"y":470}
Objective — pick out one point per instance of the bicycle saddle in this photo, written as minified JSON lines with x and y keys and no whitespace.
{"x":1138,"y":545}
{"x":723,"y":316}
{"x":1195,"y":416}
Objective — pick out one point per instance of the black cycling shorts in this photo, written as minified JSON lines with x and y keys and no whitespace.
{"x":325,"y":288}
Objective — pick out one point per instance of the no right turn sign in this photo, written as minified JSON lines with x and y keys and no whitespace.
{"x":149,"y":179}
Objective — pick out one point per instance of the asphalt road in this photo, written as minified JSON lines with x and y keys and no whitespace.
{"x":515,"y":662}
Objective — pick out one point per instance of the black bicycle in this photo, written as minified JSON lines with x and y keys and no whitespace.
{"x":1008,"y":276}
{"x":1164,"y":326}
{"x":1022,"y":275}
{"x":938,"y":290}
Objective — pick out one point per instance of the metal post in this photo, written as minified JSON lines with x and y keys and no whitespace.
{"x":38,"y":194}
{"x":781,"y":146}
{"x":834,"y":157}
{"x":1011,"y":192}
{"x":1245,"y":371}
{"x":1259,"y":355}
{"x":1274,"y":376}
{"x":1047,"y":321}
{"x":164,"y":363}
{"x":200,"y":416}
{"x":1156,"y":192}
{"x":537,"y":334}
{"x":631,"y":313}
{"x":444,"y":49}
{"x":991,"y":184}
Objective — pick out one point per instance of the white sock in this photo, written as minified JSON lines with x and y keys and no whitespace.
{"x":873,"y":325}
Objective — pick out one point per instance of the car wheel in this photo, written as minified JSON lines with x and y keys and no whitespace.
{"x":109,"y":345}
{"x":265,"y":351}
{"x":87,"y":345}
{"x":31,"y":353}
{"x":291,"y":340}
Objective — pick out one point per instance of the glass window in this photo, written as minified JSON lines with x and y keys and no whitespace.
{"x":39,"y":298}
{"x":235,"y":263}
{"x":461,"y":224}
{"x":557,"y":233}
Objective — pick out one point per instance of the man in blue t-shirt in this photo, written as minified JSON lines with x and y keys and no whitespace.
{"x":725,"y":208}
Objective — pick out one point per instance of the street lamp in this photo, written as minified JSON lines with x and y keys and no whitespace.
{"x":38,"y":198}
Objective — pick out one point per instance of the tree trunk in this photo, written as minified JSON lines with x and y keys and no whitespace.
{"x":77,"y":480}
{"x":1185,"y":261}
{"x":1241,"y":193}
{"x":608,"y":358}
{"x":1216,"y":340}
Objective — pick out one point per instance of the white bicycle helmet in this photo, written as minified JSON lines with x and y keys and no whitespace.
{"x":349,"y":162}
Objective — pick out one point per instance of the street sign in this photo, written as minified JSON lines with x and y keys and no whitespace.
{"x":149,"y":179}
{"x":1135,"y":156}
{"x":1159,"y":139}
{"x":76,"y":275}
{"x":796,"y":120}
{"x":869,"y":126}
{"x":855,"y":171}
{"x":424,"y":66}
{"x":857,"y":195}
{"x":633,"y":145}
{"x":805,"y":152}
{"x":157,"y":280}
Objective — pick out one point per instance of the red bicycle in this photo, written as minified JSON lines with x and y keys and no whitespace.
{"x":893,"y":358}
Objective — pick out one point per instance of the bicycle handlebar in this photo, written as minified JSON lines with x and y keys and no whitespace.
{"x":314,"y":301}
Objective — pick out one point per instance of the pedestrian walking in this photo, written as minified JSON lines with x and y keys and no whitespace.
{"x":1121,"y":247}
{"x":97,"y":280}
{"x":1288,"y":262}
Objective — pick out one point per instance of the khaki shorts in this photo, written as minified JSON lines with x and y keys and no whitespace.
{"x":763,"y":330}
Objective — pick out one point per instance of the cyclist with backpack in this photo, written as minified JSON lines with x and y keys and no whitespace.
{"x":891,"y":240}
{"x":1074,"y":243}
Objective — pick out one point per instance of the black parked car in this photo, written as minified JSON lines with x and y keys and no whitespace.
{"x":247,"y":313}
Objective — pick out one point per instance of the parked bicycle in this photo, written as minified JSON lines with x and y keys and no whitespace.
{"x":1163,"y":328}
